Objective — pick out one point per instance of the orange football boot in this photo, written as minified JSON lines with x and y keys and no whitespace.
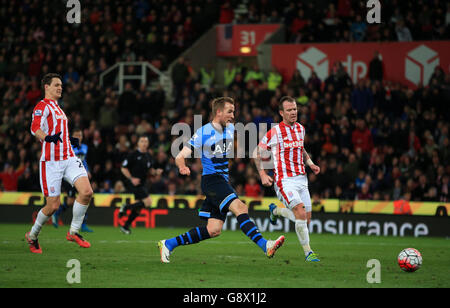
{"x":78,"y":239}
{"x":34,"y":244}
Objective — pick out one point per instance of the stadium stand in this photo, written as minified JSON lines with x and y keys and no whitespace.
{"x":373,"y":140}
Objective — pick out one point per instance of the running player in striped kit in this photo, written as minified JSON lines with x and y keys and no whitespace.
{"x":58,"y":162}
{"x":286,"y":143}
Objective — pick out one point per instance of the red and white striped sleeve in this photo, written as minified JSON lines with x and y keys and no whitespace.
{"x":303,"y":131}
{"x":269,"y":139}
{"x":40,"y":114}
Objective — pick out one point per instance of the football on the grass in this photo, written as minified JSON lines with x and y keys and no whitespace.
{"x":410,"y":259}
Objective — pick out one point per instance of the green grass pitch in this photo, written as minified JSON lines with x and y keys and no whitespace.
{"x":116,"y":260}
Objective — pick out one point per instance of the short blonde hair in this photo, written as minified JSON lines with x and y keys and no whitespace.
{"x":219,"y":104}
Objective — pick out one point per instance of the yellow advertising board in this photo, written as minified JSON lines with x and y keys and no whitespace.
{"x":258,"y":204}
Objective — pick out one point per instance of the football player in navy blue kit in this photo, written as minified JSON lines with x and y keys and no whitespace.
{"x":214,"y":142}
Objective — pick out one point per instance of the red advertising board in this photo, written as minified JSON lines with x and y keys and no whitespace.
{"x":241,"y":40}
{"x":410,"y":63}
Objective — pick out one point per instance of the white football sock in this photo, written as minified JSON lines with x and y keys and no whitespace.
{"x":41,"y":219}
{"x":301,"y":228}
{"x":285,"y":212}
{"x":79,"y":210}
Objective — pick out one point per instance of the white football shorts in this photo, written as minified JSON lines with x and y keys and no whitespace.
{"x":293,"y":191}
{"x":53,"y":172}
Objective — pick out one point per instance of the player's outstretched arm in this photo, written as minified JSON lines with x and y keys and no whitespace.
{"x":180,"y":161}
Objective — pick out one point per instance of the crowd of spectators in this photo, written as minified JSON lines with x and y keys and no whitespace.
{"x":345,"y":20}
{"x":36,"y":37}
{"x":373,"y":140}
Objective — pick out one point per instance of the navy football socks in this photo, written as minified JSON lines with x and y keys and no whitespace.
{"x":198,"y":234}
{"x":248,"y":227}
{"x":193,"y":236}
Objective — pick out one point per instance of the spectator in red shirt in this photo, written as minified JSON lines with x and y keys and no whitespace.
{"x":402,"y":207}
{"x":95,"y":16}
{"x":344,"y":7}
{"x":413,"y":142}
{"x":34,"y":66}
{"x":10,"y":177}
{"x":117,"y":26}
{"x":362,"y":137}
{"x":34,"y":94}
{"x":226,"y":14}
{"x":365,"y":193}
{"x":299,"y":22}
{"x":252,"y":188}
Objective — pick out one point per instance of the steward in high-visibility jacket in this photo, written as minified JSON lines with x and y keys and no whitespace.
{"x":229,"y":73}
{"x":254,"y":74}
{"x":274,"y":80}
{"x":206,"y":77}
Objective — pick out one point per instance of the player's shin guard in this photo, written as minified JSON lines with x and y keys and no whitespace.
{"x":193,"y":236}
{"x":41,"y":219}
{"x":79,"y":210}
{"x":250,"y":230}
{"x":285,"y":212}
{"x":301,"y":228}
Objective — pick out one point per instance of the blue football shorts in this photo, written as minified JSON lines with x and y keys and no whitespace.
{"x":219,"y":195}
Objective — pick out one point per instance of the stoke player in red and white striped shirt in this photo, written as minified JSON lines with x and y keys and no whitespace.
{"x":51,"y":120}
{"x":285,"y":141}
{"x":57,"y":162}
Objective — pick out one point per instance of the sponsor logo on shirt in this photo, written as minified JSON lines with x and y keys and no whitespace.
{"x":293,"y":144}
